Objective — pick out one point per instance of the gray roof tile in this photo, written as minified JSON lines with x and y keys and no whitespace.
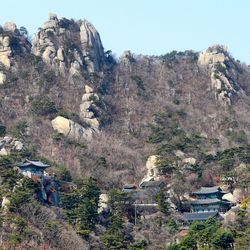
{"x":199,"y":216}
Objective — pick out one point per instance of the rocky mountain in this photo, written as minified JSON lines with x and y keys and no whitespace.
{"x":65,"y":99}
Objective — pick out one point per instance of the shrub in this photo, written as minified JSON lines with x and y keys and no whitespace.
{"x":20,"y":129}
{"x":2,"y":130}
{"x":163,"y":205}
{"x":176,"y":102}
{"x":18,"y":198}
{"x":223,"y":240}
{"x":239,"y":136}
{"x":43,"y":106}
{"x":138,"y":245}
{"x":19,"y":232}
{"x":139,"y":84}
{"x":63,"y":174}
{"x":47,"y":79}
{"x":172,"y":225}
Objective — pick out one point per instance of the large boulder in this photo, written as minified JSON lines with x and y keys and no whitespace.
{"x":2,"y":78}
{"x":3,"y":152}
{"x":234,"y":197}
{"x":189,"y":161}
{"x":152,"y":169}
{"x":5,"y":203}
{"x":71,"y":129}
{"x":103,"y":203}
{"x":229,"y":197}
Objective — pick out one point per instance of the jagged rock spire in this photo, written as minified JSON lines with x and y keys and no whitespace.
{"x":69,"y":46}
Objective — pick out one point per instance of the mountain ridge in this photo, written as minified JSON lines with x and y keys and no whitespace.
{"x":69,"y":102}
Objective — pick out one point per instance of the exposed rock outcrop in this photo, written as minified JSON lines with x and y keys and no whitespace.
{"x":2,"y":78}
{"x":126,"y":59}
{"x":223,"y":73}
{"x":233,"y":197}
{"x":88,"y":107}
{"x":91,"y":46}
{"x":189,"y":161}
{"x":12,"y":42}
{"x":69,"y":46}
{"x":10,"y":26}
{"x":152,"y":169}
{"x":5,"y":51}
{"x":103,"y":203}
{"x":71,"y":129}
{"x":5,"y":203}
{"x":10,"y":144}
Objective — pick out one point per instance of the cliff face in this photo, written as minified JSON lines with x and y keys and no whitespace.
{"x":224,"y":73}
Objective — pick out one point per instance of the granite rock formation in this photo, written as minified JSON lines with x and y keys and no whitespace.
{"x":223,"y":73}
{"x":69,"y":46}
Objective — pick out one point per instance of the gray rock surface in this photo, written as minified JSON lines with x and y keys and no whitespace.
{"x":71,"y":129}
{"x":77,"y":55}
{"x":10,"y":144}
{"x":91,"y":46}
{"x":88,"y":104}
{"x":223,"y":72}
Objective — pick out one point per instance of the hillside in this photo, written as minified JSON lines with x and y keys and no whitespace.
{"x":70,"y":103}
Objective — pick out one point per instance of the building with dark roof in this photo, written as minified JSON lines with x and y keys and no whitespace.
{"x":209,"y":199}
{"x":208,"y":203}
{"x":129,"y":187}
{"x":209,"y":193}
{"x":32,"y":168}
{"x":200,"y":216}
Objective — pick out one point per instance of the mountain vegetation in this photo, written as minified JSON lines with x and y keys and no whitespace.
{"x":96,"y":120}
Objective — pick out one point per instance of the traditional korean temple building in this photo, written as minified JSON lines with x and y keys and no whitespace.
{"x":32,"y":168}
{"x":49,"y":187}
{"x":208,"y":203}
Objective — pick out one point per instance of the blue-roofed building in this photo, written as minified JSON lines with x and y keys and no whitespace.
{"x":200,"y":216}
{"x":209,"y":193}
{"x":209,"y":203}
{"x":32,"y":168}
{"x":209,"y":199}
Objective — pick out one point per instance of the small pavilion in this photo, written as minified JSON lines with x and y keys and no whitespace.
{"x":32,"y":168}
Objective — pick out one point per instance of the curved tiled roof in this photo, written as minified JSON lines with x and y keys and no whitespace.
{"x":208,"y":190}
{"x":199,"y":216}
{"x":208,"y":201}
{"x":28,"y":163}
{"x":205,"y":201}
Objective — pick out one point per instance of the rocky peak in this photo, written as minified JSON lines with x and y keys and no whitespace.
{"x":10,"y":26}
{"x":224,"y":73}
{"x":69,"y":46}
{"x":91,"y":46}
{"x":126,"y":58}
{"x":12,"y":43}
{"x":214,"y":54}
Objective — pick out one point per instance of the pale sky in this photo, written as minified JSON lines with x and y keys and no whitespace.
{"x":147,"y":26}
